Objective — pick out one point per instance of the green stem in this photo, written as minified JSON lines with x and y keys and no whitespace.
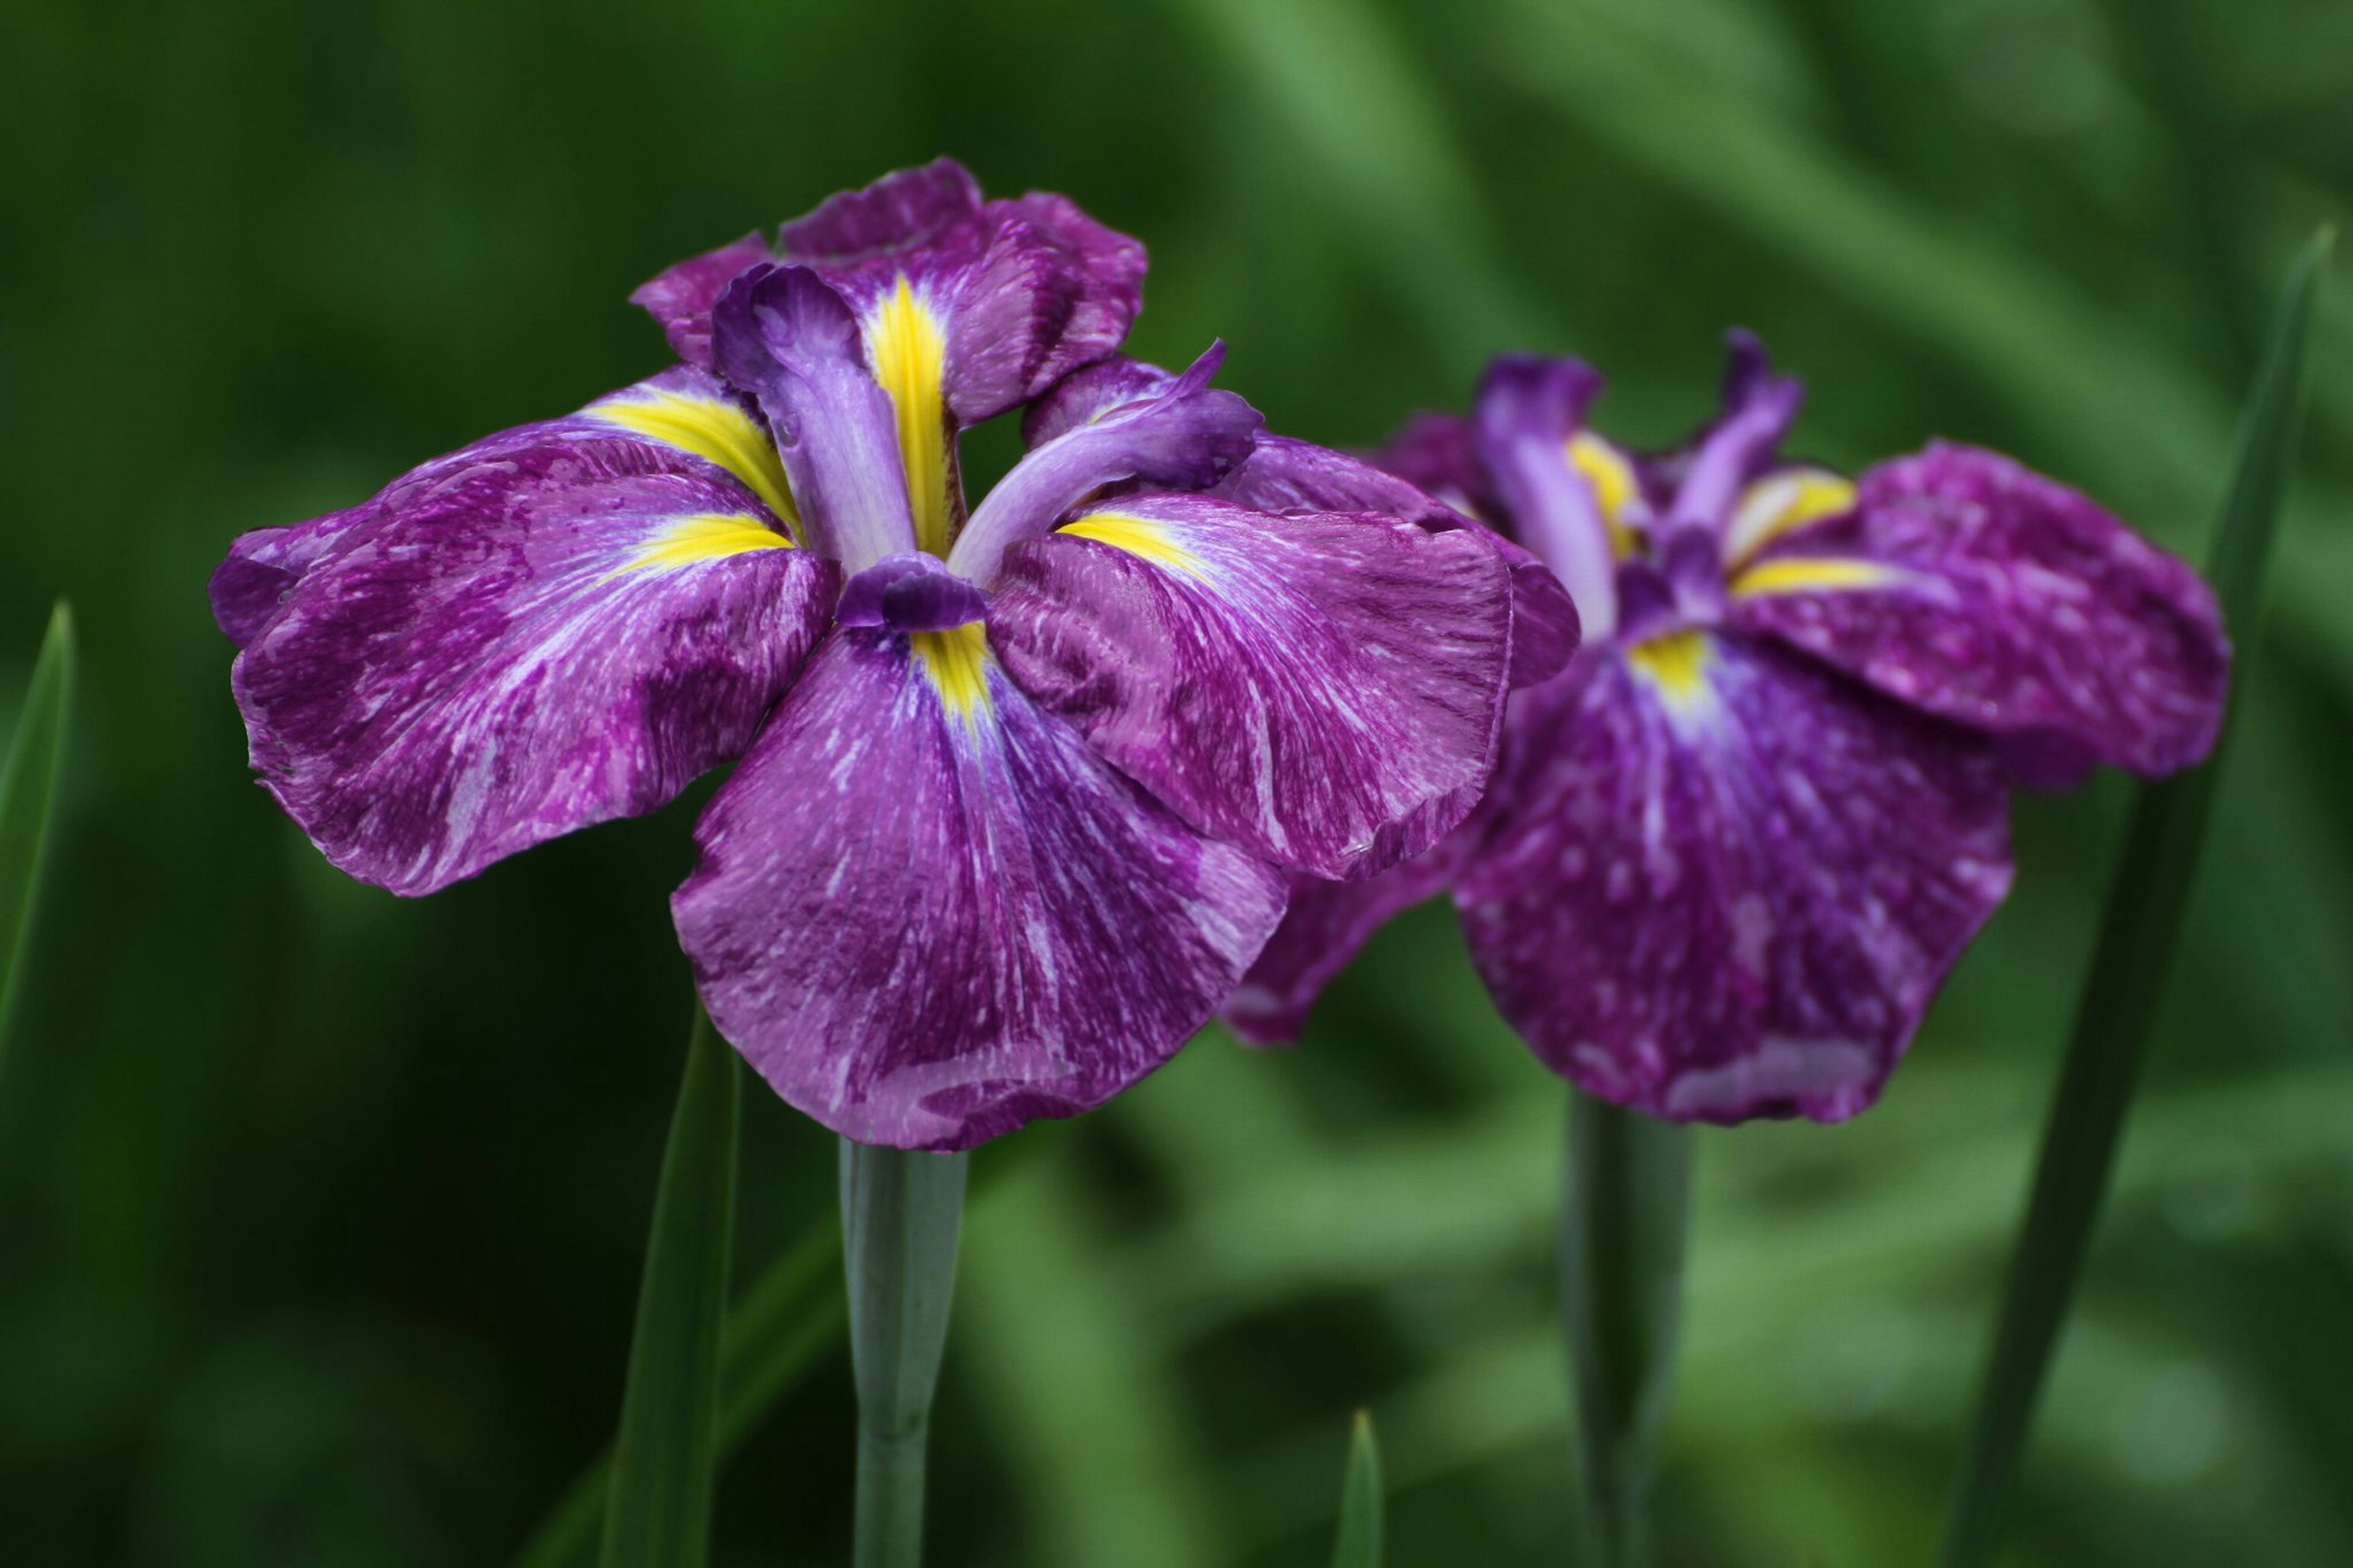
{"x":901,"y":1213}
{"x":1622,"y":1242}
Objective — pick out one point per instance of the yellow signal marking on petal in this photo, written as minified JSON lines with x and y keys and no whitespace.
{"x":1611,"y":475}
{"x":909,"y":353}
{"x":1807,"y":574}
{"x":714,"y":430}
{"x":1782,"y":503}
{"x":956,"y":663}
{"x":703,"y":536}
{"x":1138,"y":536}
{"x":1675,"y":665}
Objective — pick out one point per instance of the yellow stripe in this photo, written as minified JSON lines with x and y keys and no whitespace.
{"x":705,"y":536}
{"x":1782,"y":503}
{"x":909,"y":353}
{"x":1809,"y":574}
{"x":714,"y":430}
{"x":1138,"y":536}
{"x":1611,"y":477}
{"x":1675,"y":666}
{"x":956,"y":664}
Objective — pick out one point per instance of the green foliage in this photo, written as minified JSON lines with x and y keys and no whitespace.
{"x":28,"y":780}
{"x":1358,"y":1545}
{"x":658,"y":1503}
{"x":2130,"y":968}
{"x":321,"y":1238}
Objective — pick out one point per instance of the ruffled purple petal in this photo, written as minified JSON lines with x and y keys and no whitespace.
{"x":1971,"y":587}
{"x":1182,"y":435}
{"x":782,"y":334}
{"x":563,"y":624}
{"x":1285,"y":475}
{"x":681,"y":299}
{"x":928,"y":913}
{"x":1326,"y":926}
{"x":1022,"y":292}
{"x":263,"y":566}
{"x":902,"y":212}
{"x":1322,"y":691}
{"x":1724,"y":883}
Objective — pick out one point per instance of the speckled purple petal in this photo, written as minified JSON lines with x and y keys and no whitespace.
{"x":1729,"y":887}
{"x":905,"y":210}
{"x":1980,"y":591}
{"x":926,"y":929}
{"x":1285,"y":475}
{"x":1326,"y":926}
{"x":681,"y":299}
{"x":1182,"y":435}
{"x":1322,"y":691}
{"x":563,"y":624}
{"x":263,"y":566}
{"x":1025,"y":291}
{"x":782,"y":335}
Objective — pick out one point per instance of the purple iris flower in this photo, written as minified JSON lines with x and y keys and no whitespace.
{"x":1021,"y":792}
{"x":1731,"y":851}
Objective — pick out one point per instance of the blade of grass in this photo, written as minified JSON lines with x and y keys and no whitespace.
{"x":774,"y":1332}
{"x":1359,"y":1544}
{"x":2120,"y":997}
{"x":1622,"y":1250}
{"x":657,"y":1514}
{"x":28,"y":780}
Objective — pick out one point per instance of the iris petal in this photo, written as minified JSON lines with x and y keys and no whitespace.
{"x":1322,"y":690}
{"x":926,"y":927}
{"x":1712,"y":907}
{"x":563,"y":624}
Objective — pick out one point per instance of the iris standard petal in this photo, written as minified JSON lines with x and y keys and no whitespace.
{"x":1182,"y":435}
{"x":681,"y":299}
{"x":1013,"y":294}
{"x":1726,"y":883}
{"x":1966,"y":584}
{"x":928,"y":913}
{"x":564,"y":623}
{"x":782,"y":334}
{"x":1323,"y":691}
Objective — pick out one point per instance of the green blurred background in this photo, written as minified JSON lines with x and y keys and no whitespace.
{"x":321,"y":1213}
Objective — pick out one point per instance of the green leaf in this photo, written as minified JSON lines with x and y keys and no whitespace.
{"x":1360,"y":1544}
{"x":659,"y":1509}
{"x":1622,"y":1236}
{"x":28,"y":779}
{"x":2120,"y":1003}
{"x":776,"y":1328}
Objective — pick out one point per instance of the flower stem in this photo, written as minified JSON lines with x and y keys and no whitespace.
{"x":901,"y":1213}
{"x":1622,"y":1250}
